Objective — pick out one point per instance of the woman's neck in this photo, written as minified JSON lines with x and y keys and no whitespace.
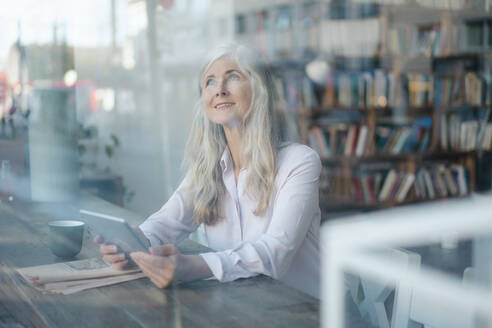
{"x":234,"y":140}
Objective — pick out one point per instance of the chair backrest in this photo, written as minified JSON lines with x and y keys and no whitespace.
{"x":429,"y":312}
{"x":386,"y":304}
{"x":390,"y":304}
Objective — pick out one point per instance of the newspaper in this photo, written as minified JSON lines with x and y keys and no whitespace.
{"x":71,"y":277}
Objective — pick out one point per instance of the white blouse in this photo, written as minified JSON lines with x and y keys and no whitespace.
{"x":283,"y":243}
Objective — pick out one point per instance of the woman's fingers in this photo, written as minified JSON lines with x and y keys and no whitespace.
{"x":113,"y":258}
{"x":108,"y":249}
{"x":158,"y":277}
{"x":160,"y":270}
{"x":119,"y":265}
{"x":113,"y":255}
{"x":152,"y":266}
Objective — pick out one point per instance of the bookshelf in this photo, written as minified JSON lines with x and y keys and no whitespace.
{"x":403,"y":115}
{"x":372,"y":160}
{"x":407,"y":125}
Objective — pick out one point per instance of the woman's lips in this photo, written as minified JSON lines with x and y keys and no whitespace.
{"x":224,"y":105}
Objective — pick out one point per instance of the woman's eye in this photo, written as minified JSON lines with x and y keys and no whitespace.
{"x":209,"y":82}
{"x":234,"y":77}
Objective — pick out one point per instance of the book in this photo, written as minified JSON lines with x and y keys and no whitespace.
{"x":428,"y":184}
{"x":317,"y":137}
{"x":450,"y":183}
{"x":439,"y":183}
{"x":419,"y":127}
{"x":462,"y":136}
{"x":459,"y":174}
{"x":420,"y":185}
{"x":314,"y":143}
{"x":357,"y":189}
{"x":401,"y":141}
{"x":387,"y":185}
{"x":382,"y":135}
{"x":396,"y":185}
{"x":424,"y":145}
{"x":355,"y":139}
{"x":483,"y":120}
{"x":368,"y":89}
{"x":342,"y":133}
{"x":405,"y":186}
{"x":333,"y":134}
{"x":361,"y":141}
{"x":444,"y":133}
{"x":350,"y":140}
{"x":471,"y":140}
{"x":395,"y":134}
{"x":378,"y":177}
{"x":487,"y":138}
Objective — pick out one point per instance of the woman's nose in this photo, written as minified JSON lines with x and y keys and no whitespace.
{"x":221,"y":90}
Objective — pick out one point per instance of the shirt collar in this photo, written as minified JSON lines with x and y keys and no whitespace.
{"x":226,"y":159}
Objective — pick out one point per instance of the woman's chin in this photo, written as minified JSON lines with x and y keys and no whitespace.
{"x":227,"y":121}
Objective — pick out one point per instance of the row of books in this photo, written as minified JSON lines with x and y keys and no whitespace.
{"x":459,"y":132}
{"x":470,"y":89}
{"x":420,"y":87}
{"x":406,"y":139}
{"x":334,"y":183}
{"x":344,"y":139}
{"x":406,"y":40}
{"x":434,"y":180}
{"x":366,"y":186}
{"x":380,"y":89}
{"x":365,"y":89}
{"x":394,"y":186}
{"x":339,"y":140}
{"x":375,"y":88}
{"x":441,"y":180}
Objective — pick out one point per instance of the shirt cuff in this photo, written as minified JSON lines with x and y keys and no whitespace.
{"x":215,"y":264}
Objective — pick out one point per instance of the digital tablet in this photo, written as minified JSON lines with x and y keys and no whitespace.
{"x":114,"y":231}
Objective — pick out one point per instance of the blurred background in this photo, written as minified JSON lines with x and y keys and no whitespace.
{"x":97,"y":97}
{"x":394,"y":95}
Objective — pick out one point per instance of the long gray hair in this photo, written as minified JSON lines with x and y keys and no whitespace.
{"x":207,"y":141}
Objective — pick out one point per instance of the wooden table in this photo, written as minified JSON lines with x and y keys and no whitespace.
{"x":255,"y":302}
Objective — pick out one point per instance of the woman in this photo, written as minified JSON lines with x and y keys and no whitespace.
{"x":257,"y":199}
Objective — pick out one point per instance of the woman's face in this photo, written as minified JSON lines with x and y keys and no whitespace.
{"x":226,"y":93}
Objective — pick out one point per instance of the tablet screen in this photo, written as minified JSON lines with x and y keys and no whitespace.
{"x":114,"y":230}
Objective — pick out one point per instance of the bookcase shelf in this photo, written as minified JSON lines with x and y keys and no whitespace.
{"x":356,"y":160}
{"x":385,"y":169}
{"x":317,"y":111}
{"x":377,"y":113}
{"x":342,"y":205}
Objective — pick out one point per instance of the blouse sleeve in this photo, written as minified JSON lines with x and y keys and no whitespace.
{"x":295,"y":207}
{"x":174,"y":221}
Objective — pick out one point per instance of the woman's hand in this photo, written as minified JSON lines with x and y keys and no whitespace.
{"x":160,"y":265}
{"x":113,"y":254}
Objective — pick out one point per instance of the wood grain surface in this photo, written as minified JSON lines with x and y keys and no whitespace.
{"x":255,"y":302}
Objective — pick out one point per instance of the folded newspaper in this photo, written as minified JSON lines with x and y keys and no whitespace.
{"x":71,"y":277}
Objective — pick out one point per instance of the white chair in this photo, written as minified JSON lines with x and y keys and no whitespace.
{"x":374,"y":297}
{"x":388,"y":304}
